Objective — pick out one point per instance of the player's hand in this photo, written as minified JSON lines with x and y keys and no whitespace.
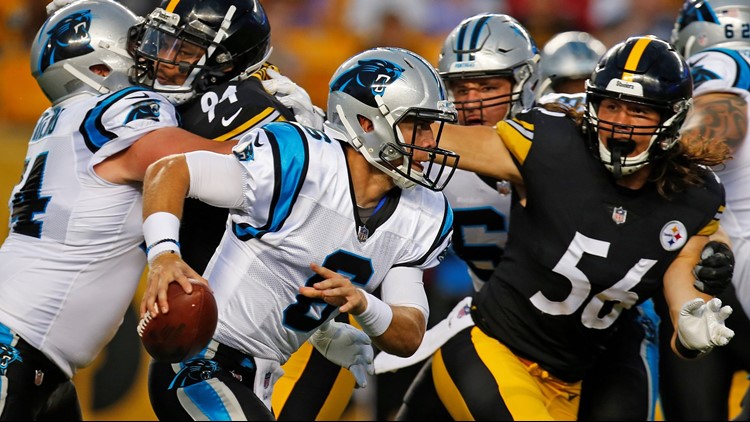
{"x":166,"y":268}
{"x":294,"y":97}
{"x":714,"y":271}
{"x":336,"y":290}
{"x":347,"y":347}
{"x":56,"y":5}
{"x":701,"y":325}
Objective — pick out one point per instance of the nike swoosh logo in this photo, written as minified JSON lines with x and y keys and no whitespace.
{"x":257,"y":143}
{"x":227,"y":122}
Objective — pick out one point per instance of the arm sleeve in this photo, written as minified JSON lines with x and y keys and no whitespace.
{"x":403,"y":286}
{"x":216,"y":179}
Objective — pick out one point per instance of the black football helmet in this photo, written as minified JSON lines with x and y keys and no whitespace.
{"x":233,"y":36}
{"x":643,"y":70}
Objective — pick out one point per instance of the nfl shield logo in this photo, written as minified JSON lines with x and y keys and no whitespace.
{"x":619,"y":214}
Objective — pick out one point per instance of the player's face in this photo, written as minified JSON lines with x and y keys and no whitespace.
{"x":419,"y":133}
{"x":481,"y":101}
{"x":625,"y":120}
{"x":175,"y":52}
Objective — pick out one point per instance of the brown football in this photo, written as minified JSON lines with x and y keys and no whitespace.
{"x":183,"y":331}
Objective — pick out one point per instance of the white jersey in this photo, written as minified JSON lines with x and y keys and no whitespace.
{"x":480,"y":223}
{"x":74,"y":256}
{"x":725,"y":70}
{"x":300,"y":209}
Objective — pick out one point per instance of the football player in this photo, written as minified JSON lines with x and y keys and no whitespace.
{"x":222,"y":96}
{"x":73,"y":258}
{"x":556,"y":298}
{"x":713,"y":37}
{"x":318,"y":220}
{"x":489,"y":63}
{"x":568,"y":59}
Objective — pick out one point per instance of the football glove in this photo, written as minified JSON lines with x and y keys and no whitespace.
{"x":346,"y":346}
{"x":713,"y":273}
{"x":295,"y":98}
{"x":700,"y":325}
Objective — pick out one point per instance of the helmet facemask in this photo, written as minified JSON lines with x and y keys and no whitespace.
{"x":613,"y":151}
{"x":493,"y":45}
{"x":395,"y":157}
{"x":193,"y":47}
{"x":468,"y":109}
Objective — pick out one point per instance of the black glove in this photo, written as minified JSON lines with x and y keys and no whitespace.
{"x":713,"y":273}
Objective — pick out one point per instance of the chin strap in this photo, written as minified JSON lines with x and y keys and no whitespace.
{"x":619,"y":149}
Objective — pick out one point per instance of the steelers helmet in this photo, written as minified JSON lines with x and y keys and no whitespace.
{"x":643,"y":70}
{"x":704,"y":24}
{"x":231,"y":37}
{"x":81,"y":48}
{"x":387,"y":86}
{"x":487,"y":45}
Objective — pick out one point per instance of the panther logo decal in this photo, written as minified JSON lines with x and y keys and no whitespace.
{"x":8,"y":355}
{"x":69,"y":38}
{"x":193,"y":372}
{"x":145,"y":110}
{"x":366,"y":80}
{"x":700,"y":75}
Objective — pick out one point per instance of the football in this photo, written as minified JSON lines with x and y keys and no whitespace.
{"x":183,"y":331}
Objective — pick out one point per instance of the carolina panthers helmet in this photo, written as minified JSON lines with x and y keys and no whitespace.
{"x":233,"y":38}
{"x":388,"y":86}
{"x":643,"y":70}
{"x":703,"y":24}
{"x":76,"y":42}
{"x":568,"y":55}
{"x":487,"y":45}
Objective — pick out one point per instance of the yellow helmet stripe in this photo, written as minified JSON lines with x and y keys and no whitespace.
{"x":172,"y":5}
{"x":635,"y":56}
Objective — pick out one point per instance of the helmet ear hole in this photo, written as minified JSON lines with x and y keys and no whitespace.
{"x":100,"y":69}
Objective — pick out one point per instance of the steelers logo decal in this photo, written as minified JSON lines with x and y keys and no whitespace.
{"x":673,"y":236}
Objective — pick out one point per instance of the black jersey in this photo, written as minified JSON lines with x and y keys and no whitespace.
{"x":583,"y":249}
{"x":225,"y":112}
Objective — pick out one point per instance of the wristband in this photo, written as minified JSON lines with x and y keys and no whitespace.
{"x":160,"y":247}
{"x":161,"y":231}
{"x":376,"y":318}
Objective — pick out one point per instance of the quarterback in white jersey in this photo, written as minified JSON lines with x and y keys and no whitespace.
{"x":318,"y":222}
{"x":309,"y":213}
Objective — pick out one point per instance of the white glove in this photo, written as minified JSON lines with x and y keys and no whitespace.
{"x":701,"y":325}
{"x":294,"y":97}
{"x":346,"y":346}
{"x":56,"y":5}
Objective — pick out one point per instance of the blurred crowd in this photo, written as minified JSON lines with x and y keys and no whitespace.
{"x":311,"y":37}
